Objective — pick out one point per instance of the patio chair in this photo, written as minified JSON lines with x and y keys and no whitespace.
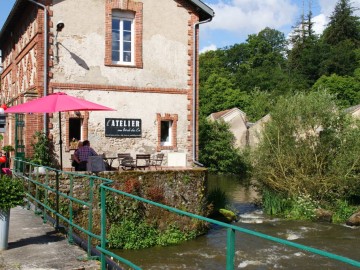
{"x":157,"y":160}
{"x":121,"y":157}
{"x":142,"y":161}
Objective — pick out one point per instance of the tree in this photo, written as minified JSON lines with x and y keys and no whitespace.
{"x":340,"y":40}
{"x":217,"y":151}
{"x":343,"y":25}
{"x":345,"y":88}
{"x":310,"y":149}
{"x":305,"y":56}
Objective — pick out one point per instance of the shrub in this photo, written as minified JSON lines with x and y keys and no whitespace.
{"x":310,"y":150}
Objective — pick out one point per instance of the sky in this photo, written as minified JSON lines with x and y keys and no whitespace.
{"x":236,"y":19}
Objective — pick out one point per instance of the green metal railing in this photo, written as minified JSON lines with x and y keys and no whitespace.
{"x":103,"y":185}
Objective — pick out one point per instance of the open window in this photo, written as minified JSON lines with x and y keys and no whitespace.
{"x":76,"y":128}
{"x":167,"y":132}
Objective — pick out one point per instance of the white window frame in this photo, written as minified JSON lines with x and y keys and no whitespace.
{"x":167,"y":142}
{"x":123,"y":16}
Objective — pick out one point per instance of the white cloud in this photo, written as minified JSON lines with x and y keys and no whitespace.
{"x":320,"y":22}
{"x":251,"y":16}
{"x":327,"y":6}
{"x":211,"y":47}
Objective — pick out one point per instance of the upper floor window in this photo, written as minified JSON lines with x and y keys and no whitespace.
{"x":123,"y":38}
{"x":124,"y":33}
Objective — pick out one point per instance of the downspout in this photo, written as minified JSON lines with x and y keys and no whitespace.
{"x":195,"y":27}
{"x":45,"y":56}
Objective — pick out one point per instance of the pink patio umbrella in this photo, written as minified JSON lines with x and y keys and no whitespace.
{"x":57,"y":102}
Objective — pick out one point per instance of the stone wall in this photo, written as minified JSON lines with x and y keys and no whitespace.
{"x":181,"y":189}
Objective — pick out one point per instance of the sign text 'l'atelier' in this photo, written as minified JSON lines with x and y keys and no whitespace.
{"x":120,"y":127}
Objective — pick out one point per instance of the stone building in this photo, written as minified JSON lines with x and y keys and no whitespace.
{"x":139,"y":57}
{"x":237,"y":121}
{"x":245,"y":132}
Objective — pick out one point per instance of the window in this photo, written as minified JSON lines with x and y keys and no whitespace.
{"x":74,"y":131}
{"x":76,"y":128}
{"x":166,"y":133}
{"x":122,"y":38}
{"x":124,"y":33}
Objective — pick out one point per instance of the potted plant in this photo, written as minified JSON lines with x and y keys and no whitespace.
{"x":42,"y":150}
{"x":11,"y":195}
{"x":7,"y":149}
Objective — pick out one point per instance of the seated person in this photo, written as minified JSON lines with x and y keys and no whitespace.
{"x":82,"y":154}
{"x":74,"y":163}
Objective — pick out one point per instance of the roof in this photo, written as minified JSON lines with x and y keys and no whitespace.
{"x":205,"y":13}
{"x":223,"y":114}
{"x":217,"y":115}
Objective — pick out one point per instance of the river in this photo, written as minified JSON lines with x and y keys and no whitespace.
{"x":253,"y":253}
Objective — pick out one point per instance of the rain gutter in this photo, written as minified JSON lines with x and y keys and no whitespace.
{"x":45,"y":56}
{"x":195,"y":70}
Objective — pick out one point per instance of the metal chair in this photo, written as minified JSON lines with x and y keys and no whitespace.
{"x":142,"y":161}
{"x":121,"y":157}
{"x":157,"y":160}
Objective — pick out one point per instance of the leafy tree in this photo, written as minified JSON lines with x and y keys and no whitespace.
{"x":310,"y":149}
{"x":217,"y":151}
{"x":345,"y":88}
{"x":218,"y":93}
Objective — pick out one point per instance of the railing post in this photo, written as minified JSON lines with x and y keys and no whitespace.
{"x":103,"y":226}
{"x":230,"y":249}
{"x":57,"y":201}
{"x":91,"y":199}
{"x":71,"y":240}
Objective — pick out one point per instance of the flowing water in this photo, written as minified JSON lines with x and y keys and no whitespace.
{"x":253,"y":253}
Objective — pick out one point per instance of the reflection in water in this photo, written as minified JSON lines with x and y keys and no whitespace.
{"x":253,"y":253}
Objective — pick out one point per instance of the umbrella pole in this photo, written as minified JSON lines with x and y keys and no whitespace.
{"x":60,"y":142}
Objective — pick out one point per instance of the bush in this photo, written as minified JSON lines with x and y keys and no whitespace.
{"x":137,"y":235}
{"x":132,"y":235}
{"x":309,"y":149}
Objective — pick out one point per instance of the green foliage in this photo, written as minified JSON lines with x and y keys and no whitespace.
{"x":122,"y":207}
{"x":342,"y":211}
{"x":273,"y":203}
{"x":42,"y":149}
{"x":343,"y":24}
{"x":8,"y":148}
{"x":217,"y":199}
{"x":173,"y":235}
{"x":217,"y":151}
{"x":11,"y":192}
{"x":309,"y":148}
{"x":301,"y":208}
{"x":133,"y":235}
{"x":346,"y":89}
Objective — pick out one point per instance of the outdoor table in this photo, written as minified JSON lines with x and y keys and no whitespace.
{"x":109,"y":161}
